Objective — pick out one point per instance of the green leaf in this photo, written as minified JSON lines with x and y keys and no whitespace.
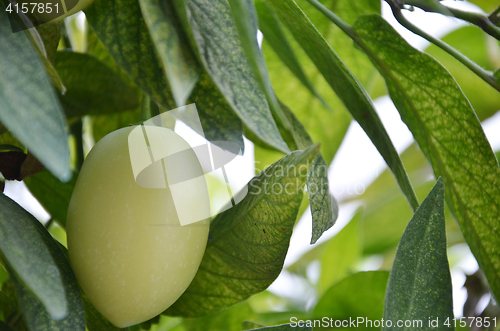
{"x":271,"y":27}
{"x":448,"y":132}
{"x":92,"y":87}
{"x":324,"y":207}
{"x":219,"y":122}
{"x":420,"y":282}
{"x":348,"y":89}
{"x":285,"y":327}
{"x":324,"y":126}
{"x":245,"y":18}
{"x":248,"y":243}
{"x":484,"y":99}
{"x":53,"y":195}
{"x":132,"y":48}
{"x":342,"y":253}
{"x":359,"y":295}
{"x":29,"y":107}
{"x":173,"y":49}
{"x":50,"y":34}
{"x":45,"y":283}
{"x":230,"y":319}
{"x":121,"y":29}
{"x":214,"y":35}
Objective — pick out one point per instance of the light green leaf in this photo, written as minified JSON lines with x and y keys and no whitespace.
{"x":53,"y":195}
{"x":213,"y":33}
{"x":342,"y":253}
{"x":348,"y":89}
{"x":420,"y":282}
{"x":28,"y":104}
{"x":248,"y":243}
{"x":45,"y":284}
{"x":359,"y":295}
{"x":173,"y":50}
{"x":448,"y":132}
{"x":92,"y":87}
{"x":272,"y":29}
{"x":121,"y":29}
{"x":285,"y":327}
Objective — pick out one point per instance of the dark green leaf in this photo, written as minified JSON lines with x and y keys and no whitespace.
{"x":92,"y":87}
{"x":5,"y":327}
{"x":120,"y":27}
{"x":214,"y":35}
{"x":218,"y":120}
{"x":272,"y":29}
{"x":45,"y":284}
{"x":324,"y":208}
{"x":285,"y":327}
{"x":50,"y":34}
{"x":348,"y":89}
{"x":359,"y":295}
{"x":448,"y":132}
{"x":342,"y":253}
{"x":29,"y":107}
{"x":245,"y":18}
{"x":173,"y":50}
{"x":132,"y":48}
{"x":420,"y":282}
{"x":248,"y":243}
{"x":104,"y":124}
{"x":53,"y":195}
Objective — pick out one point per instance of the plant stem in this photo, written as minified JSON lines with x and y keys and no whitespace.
{"x":477,"y":19}
{"x":149,"y":108}
{"x":346,"y":28}
{"x":485,"y":75}
{"x":77,"y":131}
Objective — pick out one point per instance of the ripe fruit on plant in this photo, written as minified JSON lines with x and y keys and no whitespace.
{"x":127,"y":248}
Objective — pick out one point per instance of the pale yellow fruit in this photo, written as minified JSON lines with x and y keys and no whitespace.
{"x":127,"y":248}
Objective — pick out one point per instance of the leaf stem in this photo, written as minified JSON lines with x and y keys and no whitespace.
{"x":485,"y":75}
{"x":149,"y":108}
{"x":480,"y":20}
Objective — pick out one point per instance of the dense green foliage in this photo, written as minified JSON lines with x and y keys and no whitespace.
{"x":321,"y":65}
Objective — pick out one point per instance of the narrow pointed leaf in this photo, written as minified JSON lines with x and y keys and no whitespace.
{"x":248,"y":243}
{"x":447,"y":130}
{"x":324,"y":207}
{"x":166,"y":33}
{"x":28,"y":103}
{"x":46,"y":285}
{"x":272,"y":30}
{"x":214,"y":34}
{"x":420,"y":281}
{"x":245,"y":18}
{"x":348,"y":89}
